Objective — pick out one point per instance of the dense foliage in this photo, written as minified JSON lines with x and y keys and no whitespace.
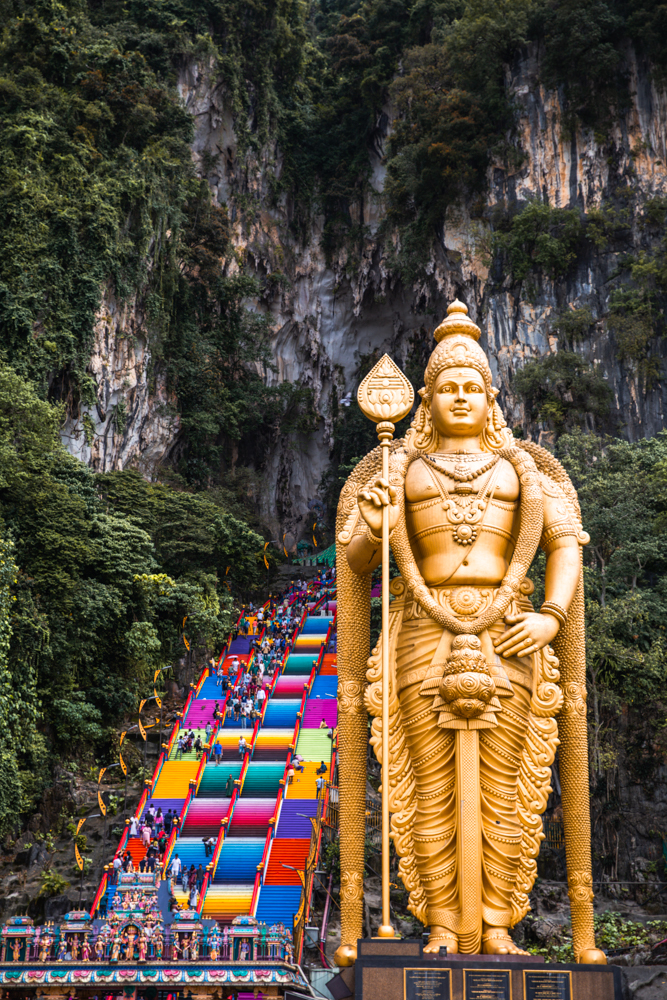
{"x":97,"y":576}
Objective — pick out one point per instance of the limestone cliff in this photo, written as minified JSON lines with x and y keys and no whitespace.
{"x":325,"y":318}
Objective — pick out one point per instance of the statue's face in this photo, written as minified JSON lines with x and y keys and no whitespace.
{"x":459,"y":407}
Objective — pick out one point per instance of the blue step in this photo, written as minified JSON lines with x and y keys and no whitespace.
{"x":316,"y":626}
{"x":281,"y":714}
{"x":278,"y":904}
{"x":294,"y":821}
{"x":211,"y":689}
{"x":324,"y":687}
{"x":238,"y":860}
{"x":191,"y":851}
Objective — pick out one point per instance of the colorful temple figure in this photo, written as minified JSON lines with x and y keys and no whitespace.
{"x":115,"y":947}
{"x":175,"y":948}
{"x":16,"y":949}
{"x":44,"y":948}
{"x":158,"y":944}
{"x":62,"y":950}
{"x":185,"y":948}
{"x":143,"y":945}
{"x":244,"y":950}
{"x":474,"y":683}
{"x":85,"y":951}
{"x":194,"y":947}
{"x":225,"y":942}
{"x":130,"y":939}
{"x":74,"y":947}
{"x":214,"y":945}
{"x":100,"y":946}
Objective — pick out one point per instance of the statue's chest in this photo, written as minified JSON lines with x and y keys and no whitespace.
{"x":437,"y":501}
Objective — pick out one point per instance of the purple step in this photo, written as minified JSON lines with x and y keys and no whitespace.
{"x":295,"y":816}
{"x":318,"y":709}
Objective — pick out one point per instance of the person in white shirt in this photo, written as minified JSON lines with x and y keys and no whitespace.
{"x":117,"y":864}
{"x":174,"y":869}
{"x":134,"y":826}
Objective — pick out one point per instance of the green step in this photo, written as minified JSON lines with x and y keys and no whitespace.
{"x":263,"y":779}
{"x":299,"y":663}
{"x":314,"y":744}
{"x":214,"y":778}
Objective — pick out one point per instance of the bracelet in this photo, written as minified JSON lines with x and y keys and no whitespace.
{"x":373,"y":539}
{"x":551,"y":608}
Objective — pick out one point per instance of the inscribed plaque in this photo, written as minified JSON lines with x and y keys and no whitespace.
{"x":547,"y":985}
{"x":427,"y":984}
{"x":486,"y":984}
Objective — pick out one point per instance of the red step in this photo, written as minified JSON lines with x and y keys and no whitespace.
{"x":286,"y":851}
{"x":137,"y":850}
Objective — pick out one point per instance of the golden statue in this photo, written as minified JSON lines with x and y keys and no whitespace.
{"x":477,"y":699}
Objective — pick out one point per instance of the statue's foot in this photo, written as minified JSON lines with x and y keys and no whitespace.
{"x":439,"y":938}
{"x":496,"y":941}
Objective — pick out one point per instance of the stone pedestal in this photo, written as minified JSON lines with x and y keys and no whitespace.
{"x":399,"y":970}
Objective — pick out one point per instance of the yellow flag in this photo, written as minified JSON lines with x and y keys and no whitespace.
{"x":79,"y":859}
{"x":157,"y":700}
{"x":100,"y":801}
{"x":186,"y":643}
{"x":122,"y":737}
{"x":142,"y":730}
{"x":123,"y":765}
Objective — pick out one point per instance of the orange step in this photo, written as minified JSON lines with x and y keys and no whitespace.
{"x":137,"y":850}
{"x":285,"y":851}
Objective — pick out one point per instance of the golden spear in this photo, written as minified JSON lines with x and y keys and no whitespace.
{"x":385,"y":396}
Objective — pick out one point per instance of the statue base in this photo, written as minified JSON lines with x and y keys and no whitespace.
{"x":399,"y":970}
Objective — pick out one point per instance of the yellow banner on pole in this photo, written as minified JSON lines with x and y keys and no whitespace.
{"x":142,"y":730}
{"x":122,"y":737}
{"x":157,"y":699}
{"x":186,"y":643}
{"x":77,"y":853}
{"x":123,"y":765}
{"x":100,"y":801}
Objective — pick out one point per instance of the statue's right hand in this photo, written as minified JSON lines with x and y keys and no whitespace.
{"x":373,"y":500}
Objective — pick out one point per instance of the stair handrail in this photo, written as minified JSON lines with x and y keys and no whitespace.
{"x":261,"y":868}
{"x":310,"y":866}
{"x":158,"y":769}
{"x":169,"y":848}
{"x":184,"y":712}
{"x":174,"y":732}
{"x":100,"y":892}
{"x":200,"y":772}
{"x":177,"y":826}
{"x":202,"y":894}
{"x":244,"y":770}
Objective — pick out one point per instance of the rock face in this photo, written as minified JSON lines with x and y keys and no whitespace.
{"x":324,"y":319}
{"x":132,"y":421}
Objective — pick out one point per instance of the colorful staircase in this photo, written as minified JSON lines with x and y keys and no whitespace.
{"x":260,"y":820}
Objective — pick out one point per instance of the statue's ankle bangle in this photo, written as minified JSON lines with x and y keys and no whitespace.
{"x":551,"y":608}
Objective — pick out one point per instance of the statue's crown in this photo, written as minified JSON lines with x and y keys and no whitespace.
{"x":457,"y":321}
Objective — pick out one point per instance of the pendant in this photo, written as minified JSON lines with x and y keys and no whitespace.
{"x":465,"y":534}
